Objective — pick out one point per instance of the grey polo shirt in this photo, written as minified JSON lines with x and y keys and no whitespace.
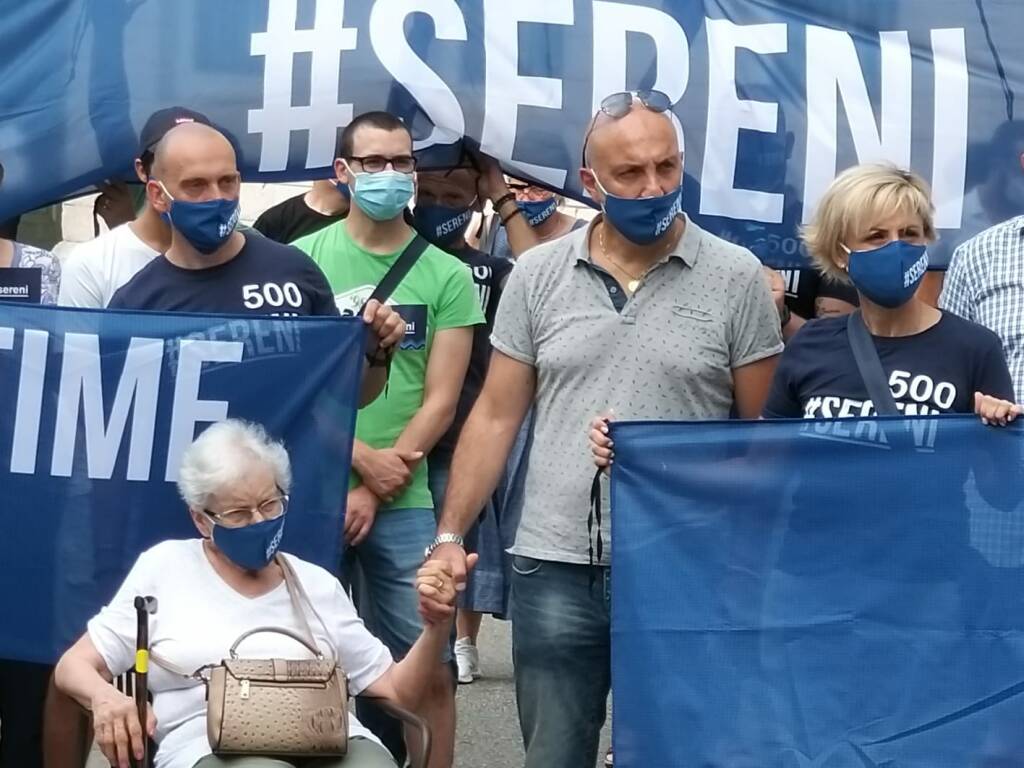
{"x":669,"y":354}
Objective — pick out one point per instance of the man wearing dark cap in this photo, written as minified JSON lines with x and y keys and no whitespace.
{"x":96,"y":269}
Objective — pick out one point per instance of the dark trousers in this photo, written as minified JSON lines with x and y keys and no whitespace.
{"x":22,"y":696}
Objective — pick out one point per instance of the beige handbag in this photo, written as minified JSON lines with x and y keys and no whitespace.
{"x":278,"y":707}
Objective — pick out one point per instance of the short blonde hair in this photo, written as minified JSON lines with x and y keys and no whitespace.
{"x":858,"y":196}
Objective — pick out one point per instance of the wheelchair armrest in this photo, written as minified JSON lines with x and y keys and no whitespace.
{"x":410,"y":719}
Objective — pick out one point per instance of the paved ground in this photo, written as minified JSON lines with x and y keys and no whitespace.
{"x":488,"y":730}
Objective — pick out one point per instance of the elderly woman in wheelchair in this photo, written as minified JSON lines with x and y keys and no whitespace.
{"x":213,"y":592}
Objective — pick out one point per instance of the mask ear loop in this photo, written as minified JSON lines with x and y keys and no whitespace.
{"x":352,"y":176}
{"x":167,"y":194}
{"x":846,"y":266}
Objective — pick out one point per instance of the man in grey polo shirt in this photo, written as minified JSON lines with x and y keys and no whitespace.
{"x":643,"y":312}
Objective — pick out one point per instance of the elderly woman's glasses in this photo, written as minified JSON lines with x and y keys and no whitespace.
{"x":268,"y":509}
{"x":619,"y":104}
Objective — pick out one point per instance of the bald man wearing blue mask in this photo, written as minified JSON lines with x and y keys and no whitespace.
{"x":211,"y":267}
{"x":642,"y":312}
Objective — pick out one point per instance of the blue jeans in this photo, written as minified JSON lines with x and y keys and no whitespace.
{"x":487,"y":585}
{"x":382,"y":575}
{"x":561,"y":647}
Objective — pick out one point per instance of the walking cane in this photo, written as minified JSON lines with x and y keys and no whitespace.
{"x":144,"y":606}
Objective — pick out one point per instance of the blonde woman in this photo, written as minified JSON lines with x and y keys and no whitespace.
{"x":872,"y":230}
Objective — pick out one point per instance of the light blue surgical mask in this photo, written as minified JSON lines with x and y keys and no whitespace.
{"x":253,"y":546}
{"x":888,"y":276}
{"x":383,"y":195}
{"x":538,"y":211}
{"x":642,"y":220}
{"x":206,"y":225}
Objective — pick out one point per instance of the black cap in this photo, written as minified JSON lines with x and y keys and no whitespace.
{"x":161,"y":121}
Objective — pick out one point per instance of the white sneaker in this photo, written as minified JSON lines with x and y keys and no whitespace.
{"x":467,"y":658}
{"x":609,"y":760}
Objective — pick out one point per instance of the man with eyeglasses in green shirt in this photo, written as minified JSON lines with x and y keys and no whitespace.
{"x":389,"y":520}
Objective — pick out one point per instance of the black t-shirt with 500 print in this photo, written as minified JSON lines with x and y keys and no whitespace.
{"x":264,"y":278}
{"x":935,"y":371}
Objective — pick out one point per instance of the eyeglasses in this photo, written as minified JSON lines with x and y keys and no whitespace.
{"x":268,"y":509}
{"x":377,"y":163}
{"x":619,"y":105}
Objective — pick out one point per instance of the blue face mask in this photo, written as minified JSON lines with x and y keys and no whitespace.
{"x":382,"y":196}
{"x":253,"y":546}
{"x":538,"y":211}
{"x":343,"y":189}
{"x":206,"y":225}
{"x":642,"y":220}
{"x":889,"y":276}
{"x":440,"y":224}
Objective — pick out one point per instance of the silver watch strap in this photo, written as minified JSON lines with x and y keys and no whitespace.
{"x":445,"y":538}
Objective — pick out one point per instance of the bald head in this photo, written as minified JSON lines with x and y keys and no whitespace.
{"x":195,"y":162}
{"x":191,"y":140}
{"x":636,"y":155}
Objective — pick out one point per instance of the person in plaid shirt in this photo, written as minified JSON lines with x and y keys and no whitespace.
{"x":985,"y":284}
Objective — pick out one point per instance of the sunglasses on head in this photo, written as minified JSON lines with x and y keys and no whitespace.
{"x":620,"y":104}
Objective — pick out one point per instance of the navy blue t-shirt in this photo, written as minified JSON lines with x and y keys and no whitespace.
{"x":265,"y":278}
{"x":489,"y":275}
{"x":935,"y":371}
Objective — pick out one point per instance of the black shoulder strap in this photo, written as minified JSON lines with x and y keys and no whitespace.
{"x":870,"y":366}
{"x":398,"y":270}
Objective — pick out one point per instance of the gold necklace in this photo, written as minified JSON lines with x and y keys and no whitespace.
{"x":635,"y":280}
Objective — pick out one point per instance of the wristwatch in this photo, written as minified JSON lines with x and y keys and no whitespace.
{"x":444,"y":538}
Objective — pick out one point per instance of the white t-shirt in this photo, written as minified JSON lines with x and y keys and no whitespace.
{"x":199,"y":616}
{"x":96,"y":269}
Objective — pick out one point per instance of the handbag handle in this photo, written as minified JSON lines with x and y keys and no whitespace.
{"x":278,"y":630}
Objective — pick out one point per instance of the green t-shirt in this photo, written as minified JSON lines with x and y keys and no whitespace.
{"x":437,"y":293}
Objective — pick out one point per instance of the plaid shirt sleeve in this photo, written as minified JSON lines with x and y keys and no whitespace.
{"x":958,"y":288}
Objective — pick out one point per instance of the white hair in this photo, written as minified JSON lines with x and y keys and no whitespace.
{"x":220,"y":456}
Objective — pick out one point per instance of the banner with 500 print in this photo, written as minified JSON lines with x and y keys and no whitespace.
{"x":770,"y":98}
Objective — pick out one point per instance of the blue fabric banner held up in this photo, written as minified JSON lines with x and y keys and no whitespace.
{"x":771,"y":97}
{"x":793,"y":594}
{"x":96,"y":408}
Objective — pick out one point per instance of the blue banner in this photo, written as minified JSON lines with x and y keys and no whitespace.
{"x":771,"y":98}
{"x":836,"y":594}
{"x":96,"y":410}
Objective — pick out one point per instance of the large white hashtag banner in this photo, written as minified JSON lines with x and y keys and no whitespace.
{"x":323,"y":115}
